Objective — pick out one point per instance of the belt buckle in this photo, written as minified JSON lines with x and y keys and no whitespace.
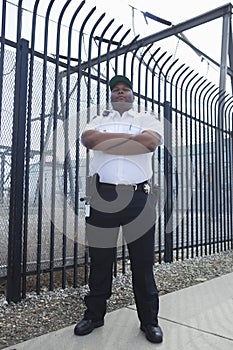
{"x":146,"y":188}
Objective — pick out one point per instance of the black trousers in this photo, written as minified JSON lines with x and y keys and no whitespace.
{"x":134,"y":211}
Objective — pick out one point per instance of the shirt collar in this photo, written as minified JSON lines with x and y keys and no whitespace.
{"x":128,"y":114}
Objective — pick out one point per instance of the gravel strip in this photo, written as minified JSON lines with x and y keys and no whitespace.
{"x":50,"y":311}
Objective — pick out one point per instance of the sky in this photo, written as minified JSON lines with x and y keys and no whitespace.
{"x":129,"y":13}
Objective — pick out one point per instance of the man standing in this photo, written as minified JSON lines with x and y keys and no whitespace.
{"x":123,"y":142}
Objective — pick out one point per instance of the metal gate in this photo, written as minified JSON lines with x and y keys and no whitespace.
{"x":46,"y":102}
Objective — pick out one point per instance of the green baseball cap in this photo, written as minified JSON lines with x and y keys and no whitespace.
{"x":119,"y":79}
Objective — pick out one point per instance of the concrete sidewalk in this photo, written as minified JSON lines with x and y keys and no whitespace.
{"x":195,"y":318}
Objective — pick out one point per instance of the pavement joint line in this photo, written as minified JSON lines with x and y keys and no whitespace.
{"x":130,"y":307}
{"x":195,"y":328}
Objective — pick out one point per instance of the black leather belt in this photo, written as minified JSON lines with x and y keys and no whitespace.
{"x":143,"y":186}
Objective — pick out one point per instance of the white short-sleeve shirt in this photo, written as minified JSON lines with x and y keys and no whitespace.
{"x":123,"y":169}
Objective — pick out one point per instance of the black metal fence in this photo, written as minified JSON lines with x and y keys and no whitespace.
{"x":46,"y":102}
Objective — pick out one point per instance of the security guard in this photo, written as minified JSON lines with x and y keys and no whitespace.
{"x":122,"y":142}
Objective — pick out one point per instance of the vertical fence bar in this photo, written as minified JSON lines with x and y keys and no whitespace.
{"x":214,"y":210}
{"x":231,"y":173}
{"x":28,"y":148}
{"x":54,"y":149}
{"x":17,"y":174}
{"x":67,"y":112}
{"x":160,"y":79}
{"x":228,"y":176}
{"x":118,"y":46}
{"x":101,"y":39}
{"x":159,"y":224}
{"x":184,"y":174}
{"x":77,"y":150}
{"x":216,"y":170}
{"x":132,"y":64}
{"x":189,"y":173}
{"x":153,"y":83}
{"x":111,"y":41}
{"x":90,"y":48}
{"x":197,"y":161}
{"x":224,"y":172}
{"x":19,"y":20}
{"x":219,"y":162}
{"x":192,"y":216}
{"x":178,"y":201}
{"x":201,"y":148}
{"x":167,"y":158}
{"x":3,"y":29}
{"x":210,"y":170}
{"x":222,"y":175}
{"x":176,"y":185}
{"x":168,"y":163}
{"x":202,"y":172}
{"x":139,"y":74}
{"x":42,"y":150}
{"x":66,"y":154}
{"x":206,"y":204}
{"x":152,"y":58}
{"x":168,"y":253}
{"x":66,"y":166}
{"x":126,"y":53}
{"x":194,"y":161}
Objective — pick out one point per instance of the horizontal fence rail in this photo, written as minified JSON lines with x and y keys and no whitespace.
{"x":44,"y":166}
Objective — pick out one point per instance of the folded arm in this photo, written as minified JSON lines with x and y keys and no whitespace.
{"x":121,"y":143}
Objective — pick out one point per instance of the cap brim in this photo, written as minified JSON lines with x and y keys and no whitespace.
{"x":119,"y":79}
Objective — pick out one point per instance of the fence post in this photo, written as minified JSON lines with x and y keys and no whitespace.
{"x":168,"y":233}
{"x":13,"y":291}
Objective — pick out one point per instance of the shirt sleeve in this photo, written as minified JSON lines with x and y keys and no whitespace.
{"x":151,"y":122}
{"x":92,"y":125}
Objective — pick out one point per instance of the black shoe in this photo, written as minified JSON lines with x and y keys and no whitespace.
{"x":153,"y":333}
{"x":86,"y":326}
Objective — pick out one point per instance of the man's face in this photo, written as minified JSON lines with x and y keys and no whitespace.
{"x":122,"y":96}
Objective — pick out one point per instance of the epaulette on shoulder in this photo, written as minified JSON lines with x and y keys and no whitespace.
{"x":106,"y":113}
